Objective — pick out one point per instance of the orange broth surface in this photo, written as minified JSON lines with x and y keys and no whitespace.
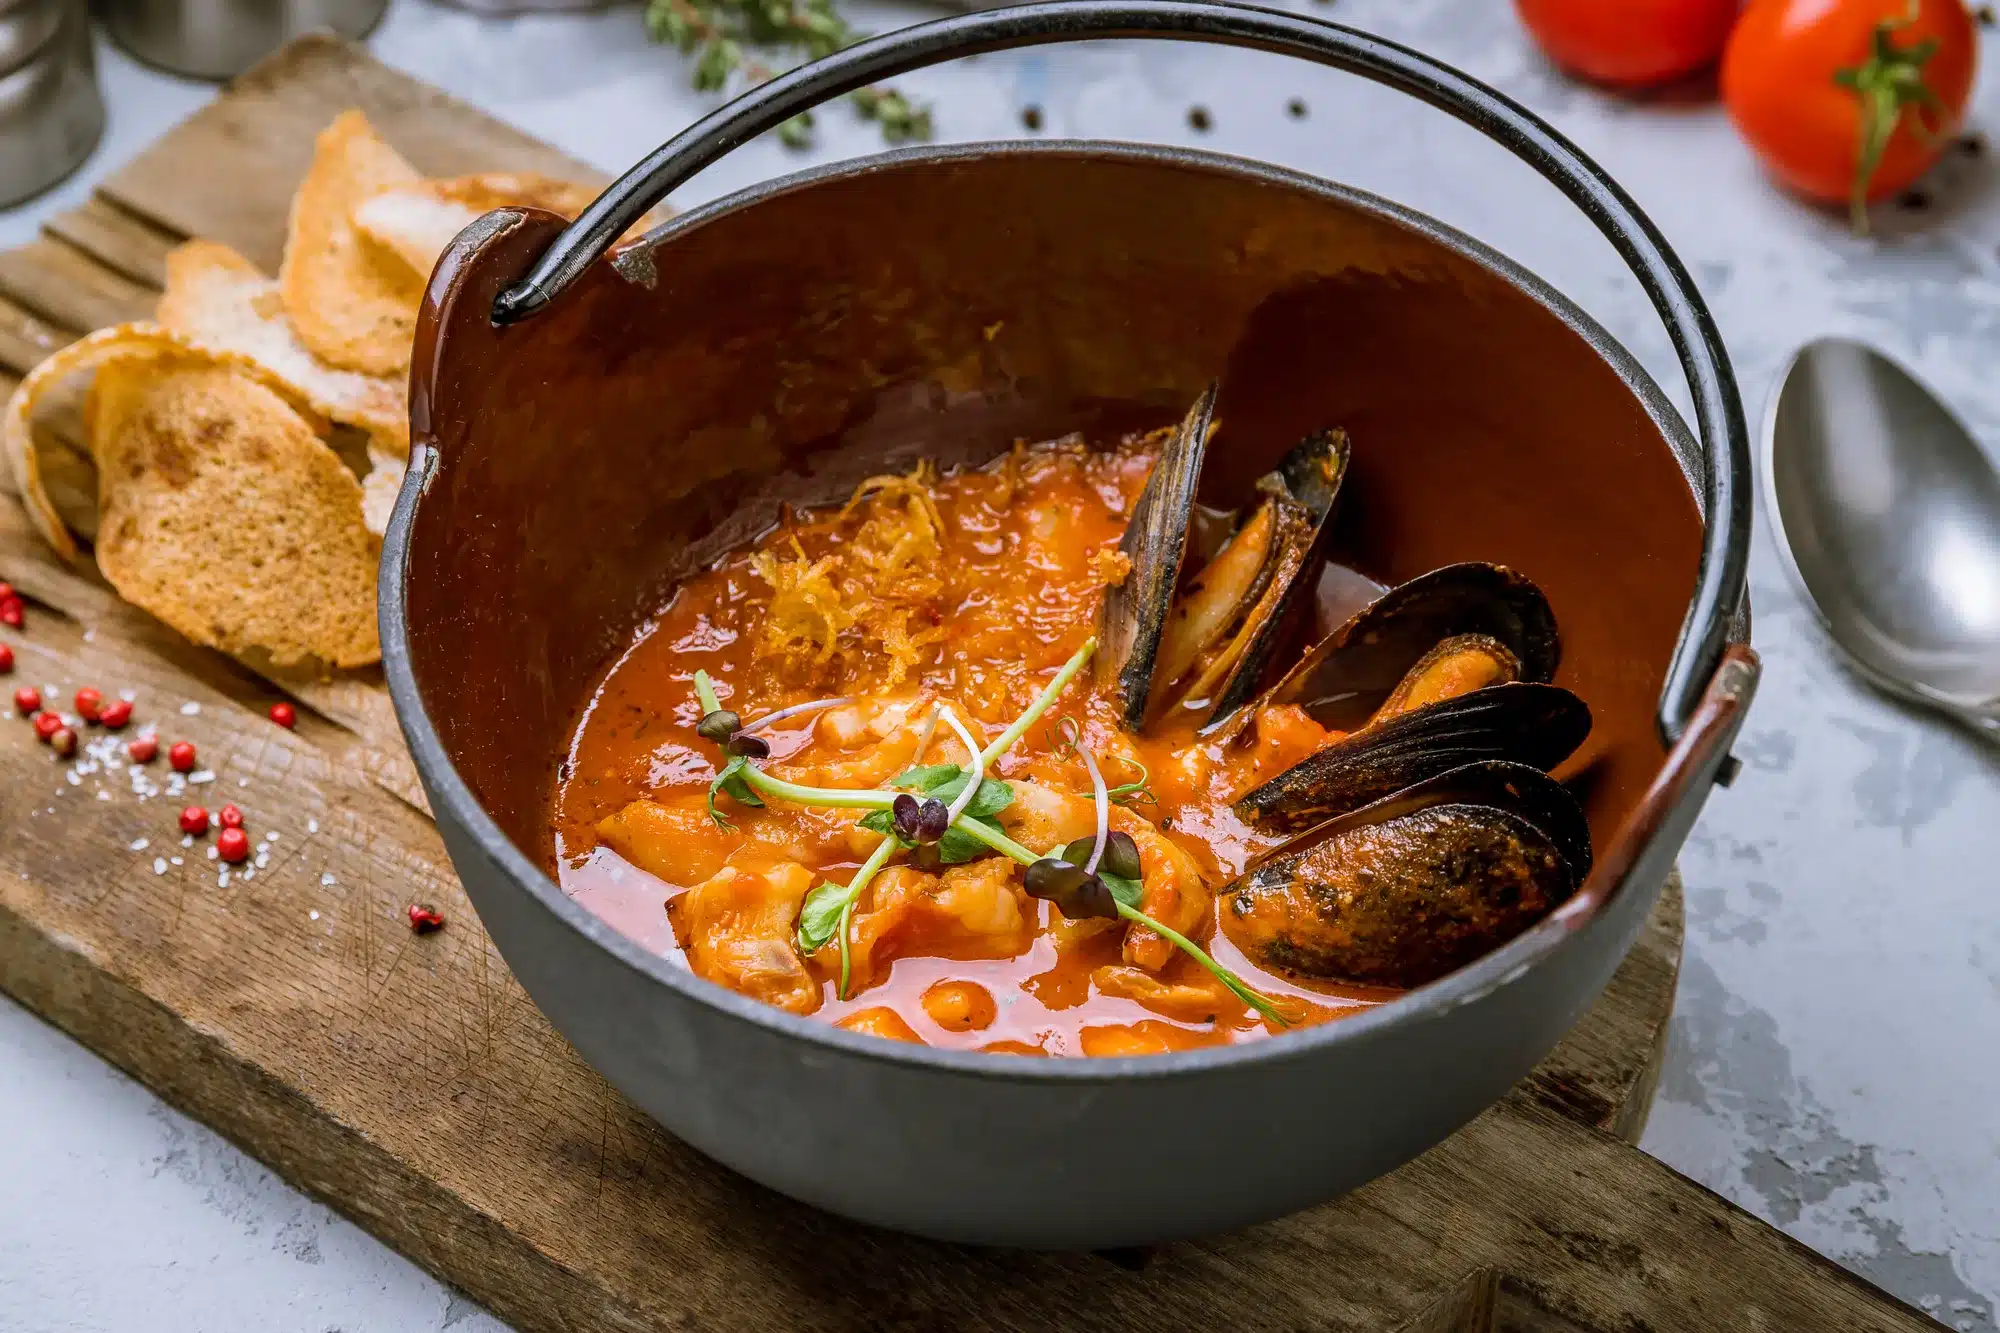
{"x":969,"y":591}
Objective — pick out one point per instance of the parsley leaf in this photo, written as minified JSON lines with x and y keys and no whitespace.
{"x":882,"y":821}
{"x":820,"y":917}
{"x":992,"y":797}
{"x":927,"y":778}
{"x":732,"y":781}
{"x":957,"y":845}
{"x":1125,"y":890}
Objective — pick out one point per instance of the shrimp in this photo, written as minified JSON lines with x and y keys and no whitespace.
{"x":736,"y":927}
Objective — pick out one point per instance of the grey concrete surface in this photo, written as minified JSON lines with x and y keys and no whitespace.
{"x":1833,"y":1063}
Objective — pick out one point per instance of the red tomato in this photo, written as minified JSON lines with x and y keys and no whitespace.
{"x":1850,"y":99}
{"x":1630,"y":43}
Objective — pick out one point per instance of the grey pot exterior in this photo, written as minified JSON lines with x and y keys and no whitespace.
{"x":555,"y":492}
{"x":1004,"y":1151}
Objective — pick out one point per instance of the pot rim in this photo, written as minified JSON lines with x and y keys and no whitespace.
{"x":452,"y":798}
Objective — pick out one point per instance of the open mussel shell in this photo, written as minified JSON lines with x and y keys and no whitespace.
{"x":1155,"y":541}
{"x":1416,"y":886}
{"x":1349,"y":674}
{"x":1305,"y":487}
{"x":1227,"y":623}
{"x":1533,"y":724}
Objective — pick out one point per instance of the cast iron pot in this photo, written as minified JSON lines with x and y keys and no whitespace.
{"x":589,"y":430}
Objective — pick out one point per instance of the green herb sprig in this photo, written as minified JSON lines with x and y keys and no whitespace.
{"x":828,"y":909}
{"x":719,"y":34}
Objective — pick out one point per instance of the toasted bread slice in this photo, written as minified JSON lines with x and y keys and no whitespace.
{"x":353,"y":303}
{"x":379,"y":490}
{"x":417,"y":221}
{"x":225,"y":515}
{"x":148,"y":344}
{"x":218,"y":297}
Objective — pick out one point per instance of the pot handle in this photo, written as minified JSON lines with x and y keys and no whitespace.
{"x":1718,"y":408}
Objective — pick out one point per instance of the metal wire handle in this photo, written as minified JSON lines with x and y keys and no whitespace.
{"x":1718,"y":409}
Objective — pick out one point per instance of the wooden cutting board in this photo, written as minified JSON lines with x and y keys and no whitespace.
{"x":410,"y":1082}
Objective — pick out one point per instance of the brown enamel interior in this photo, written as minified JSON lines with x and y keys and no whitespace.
{"x":594,"y":454}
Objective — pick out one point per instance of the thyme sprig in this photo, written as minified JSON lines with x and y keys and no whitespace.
{"x":969,"y":831}
{"x":721,"y":34}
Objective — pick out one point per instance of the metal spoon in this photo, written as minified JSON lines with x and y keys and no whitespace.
{"x":1889,"y":516}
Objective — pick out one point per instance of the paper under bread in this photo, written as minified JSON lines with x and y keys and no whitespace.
{"x":218,"y":297}
{"x":353,"y":303}
{"x":225,"y":515}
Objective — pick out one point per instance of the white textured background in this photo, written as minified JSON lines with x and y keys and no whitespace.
{"x":1835,"y":1064}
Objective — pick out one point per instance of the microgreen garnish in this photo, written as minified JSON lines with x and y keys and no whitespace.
{"x":824,"y":914}
{"x":1098,"y":876}
{"x":809,"y":706}
{"x":1066,"y":740}
{"x":733,"y":780}
{"x":717,"y":724}
{"x":948,"y":782}
{"x":919,"y":821}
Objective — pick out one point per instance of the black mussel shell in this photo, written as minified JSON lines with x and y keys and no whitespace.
{"x":1155,"y":541}
{"x":1306,"y":484}
{"x":1415,"y":886}
{"x":1536,"y":725}
{"x":1349,"y":674}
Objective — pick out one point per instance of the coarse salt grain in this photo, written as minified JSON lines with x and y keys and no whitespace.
{"x":75,"y":778}
{"x":176,"y":860}
{"x":326,"y":881}
{"x":190,"y":709}
{"x":313,"y":915}
{"x":129,"y":696}
{"x":159,"y":865}
{"x":246,"y":875}
{"x":201,"y":775}
{"x":212,"y":853}
{"x":141,"y":844}
{"x":312,"y":826}
{"x":187,"y":840}
{"x":242,"y":782}
{"x":103,"y":795}
{"x":270,"y":837}
{"x":222,"y":880}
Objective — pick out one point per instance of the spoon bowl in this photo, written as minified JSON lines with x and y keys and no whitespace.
{"x":1888,"y":513}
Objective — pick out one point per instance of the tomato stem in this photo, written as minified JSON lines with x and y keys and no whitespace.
{"x":1887,"y":84}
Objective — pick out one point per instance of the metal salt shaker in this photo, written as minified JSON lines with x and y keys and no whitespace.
{"x":218,"y":39}
{"x":50,"y":112}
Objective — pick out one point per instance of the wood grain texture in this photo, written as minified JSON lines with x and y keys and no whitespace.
{"x":411,"y":1083}
{"x":228,"y":171}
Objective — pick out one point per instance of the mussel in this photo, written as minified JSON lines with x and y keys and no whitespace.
{"x":1445,"y":670}
{"x":1208,"y":645}
{"x":1405,"y":890}
{"x":1427,"y":830}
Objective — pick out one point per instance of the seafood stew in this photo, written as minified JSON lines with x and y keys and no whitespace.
{"x":1046,"y":757}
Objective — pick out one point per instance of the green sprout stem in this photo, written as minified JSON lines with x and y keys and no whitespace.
{"x":1006,"y":846}
{"x":1041,"y":705}
{"x":1187,"y":946}
{"x":849,"y":799}
{"x":704,"y":693}
{"x":852,"y":894}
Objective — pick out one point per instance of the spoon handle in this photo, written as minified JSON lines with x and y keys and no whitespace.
{"x":1982,"y":722}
